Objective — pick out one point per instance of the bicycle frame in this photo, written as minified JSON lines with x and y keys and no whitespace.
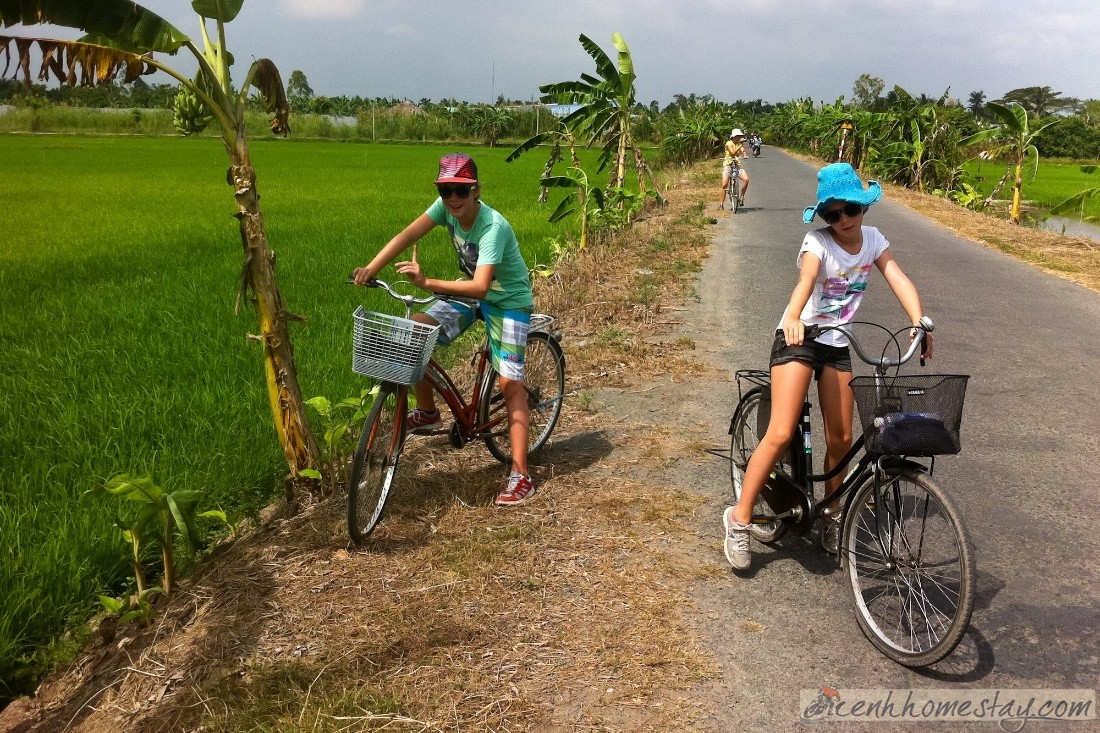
{"x":901,"y":542}
{"x":792,"y":496}
{"x":733,"y":188}
{"x":465,"y":413}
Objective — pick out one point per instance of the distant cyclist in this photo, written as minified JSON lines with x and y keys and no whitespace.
{"x":735,"y":152}
{"x":755,"y":143}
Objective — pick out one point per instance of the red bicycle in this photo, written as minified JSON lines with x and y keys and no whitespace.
{"x":397,"y":353}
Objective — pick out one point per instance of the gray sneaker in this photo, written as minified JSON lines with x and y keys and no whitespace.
{"x":737,"y":541}
{"x":829,"y":530}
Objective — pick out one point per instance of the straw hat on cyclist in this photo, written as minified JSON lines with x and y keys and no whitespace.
{"x":735,"y":153}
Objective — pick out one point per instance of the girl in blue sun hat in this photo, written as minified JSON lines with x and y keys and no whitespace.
{"x":835,"y":264}
{"x":839,"y":182}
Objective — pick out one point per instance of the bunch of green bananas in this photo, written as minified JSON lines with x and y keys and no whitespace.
{"x":191,"y":115}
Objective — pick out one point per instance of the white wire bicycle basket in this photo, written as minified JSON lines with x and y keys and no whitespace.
{"x":391,"y":348}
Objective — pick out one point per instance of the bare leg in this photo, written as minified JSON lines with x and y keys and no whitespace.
{"x":837,"y":406}
{"x":790,"y":383}
{"x":744,"y":184}
{"x":425,"y":395}
{"x":722,"y":191}
{"x":519,"y":417}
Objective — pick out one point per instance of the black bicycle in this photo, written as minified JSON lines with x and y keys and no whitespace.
{"x":903,"y":545}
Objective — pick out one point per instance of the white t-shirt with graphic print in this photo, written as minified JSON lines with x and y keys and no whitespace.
{"x":841,"y":280}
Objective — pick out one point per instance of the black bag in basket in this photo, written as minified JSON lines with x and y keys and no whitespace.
{"x":911,"y":434}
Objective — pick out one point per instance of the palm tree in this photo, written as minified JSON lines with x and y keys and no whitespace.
{"x":124,"y":35}
{"x":1015,"y":138}
{"x":976,"y":105}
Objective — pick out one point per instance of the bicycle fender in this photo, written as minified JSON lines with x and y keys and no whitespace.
{"x":889,"y":463}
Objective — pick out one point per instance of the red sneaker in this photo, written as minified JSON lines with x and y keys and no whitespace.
{"x":519,"y":489}
{"x":422,"y":421}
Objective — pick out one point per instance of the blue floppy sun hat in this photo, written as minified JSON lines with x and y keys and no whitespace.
{"x":839,"y":182}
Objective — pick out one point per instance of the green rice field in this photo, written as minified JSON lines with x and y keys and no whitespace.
{"x":121,"y":352}
{"x":1054,"y":183}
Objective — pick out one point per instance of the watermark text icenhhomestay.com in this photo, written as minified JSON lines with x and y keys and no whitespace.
{"x":1011,"y":710}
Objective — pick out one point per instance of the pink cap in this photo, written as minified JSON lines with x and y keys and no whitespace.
{"x":457,"y":168}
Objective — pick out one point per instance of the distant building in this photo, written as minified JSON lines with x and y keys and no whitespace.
{"x":563,"y":110}
{"x":406,"y":109}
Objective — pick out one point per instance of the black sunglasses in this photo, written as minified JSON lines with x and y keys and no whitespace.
{"x":851,"y":210}
{"x":462,"y":191}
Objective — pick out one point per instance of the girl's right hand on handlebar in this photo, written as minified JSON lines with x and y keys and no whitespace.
{"x":794,"y":331}
{"x":362,"y":275}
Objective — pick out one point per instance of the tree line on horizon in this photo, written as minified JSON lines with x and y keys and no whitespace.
{"x":1076,"y":134}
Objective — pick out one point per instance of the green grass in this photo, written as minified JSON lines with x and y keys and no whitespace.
{"x":118,"y":275}
{"x":1054,"y":183}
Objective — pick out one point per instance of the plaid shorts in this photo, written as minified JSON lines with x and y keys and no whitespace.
{"x":507,"y":331}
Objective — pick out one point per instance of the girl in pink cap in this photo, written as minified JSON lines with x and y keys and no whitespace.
{"x":488,"y":254}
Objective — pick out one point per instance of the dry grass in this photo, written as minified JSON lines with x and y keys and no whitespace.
{"x":566,"y":614}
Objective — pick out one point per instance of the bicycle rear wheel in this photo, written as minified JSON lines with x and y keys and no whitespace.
{"x":910,"y":565}
{"x":544,"y":380}
{"x":375,"y":463}
{"x":746,"y":436}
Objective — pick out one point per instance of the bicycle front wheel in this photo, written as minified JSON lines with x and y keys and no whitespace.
{"x":544,"y":380}
{"x":910,"y":565}
{"x":746,"y":436}
{"x":375,"y":463}
{"x":734,"y":191}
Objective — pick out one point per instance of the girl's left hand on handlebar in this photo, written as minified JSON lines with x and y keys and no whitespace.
{"x":411,"y":269}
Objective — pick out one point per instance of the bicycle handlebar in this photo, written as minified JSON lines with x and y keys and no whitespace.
{"x":883,"y":362}
{"x":411,"y":300}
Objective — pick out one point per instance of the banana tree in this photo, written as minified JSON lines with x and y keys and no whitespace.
{"x":574,"y":177}
{"x":606,"y":112}
{"x":122,"y":35}
{"x":586,"y":201}
{"x":1015,"y":138}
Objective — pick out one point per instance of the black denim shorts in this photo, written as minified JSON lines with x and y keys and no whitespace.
{"x":816,"y":354}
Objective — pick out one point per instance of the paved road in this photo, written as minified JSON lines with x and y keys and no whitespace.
{"x":1026,"y":482}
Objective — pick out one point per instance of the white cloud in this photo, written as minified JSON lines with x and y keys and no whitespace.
{"x":323,"y":9}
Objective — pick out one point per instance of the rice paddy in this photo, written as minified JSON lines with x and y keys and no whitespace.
{"x":121,"y":349}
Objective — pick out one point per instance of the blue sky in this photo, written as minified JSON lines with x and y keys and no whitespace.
{"x":768,"y":49}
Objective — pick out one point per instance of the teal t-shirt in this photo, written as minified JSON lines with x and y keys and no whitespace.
{"x":490,"y":241}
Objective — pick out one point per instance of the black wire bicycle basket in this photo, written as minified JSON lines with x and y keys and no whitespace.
{"x":911,"y":415}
